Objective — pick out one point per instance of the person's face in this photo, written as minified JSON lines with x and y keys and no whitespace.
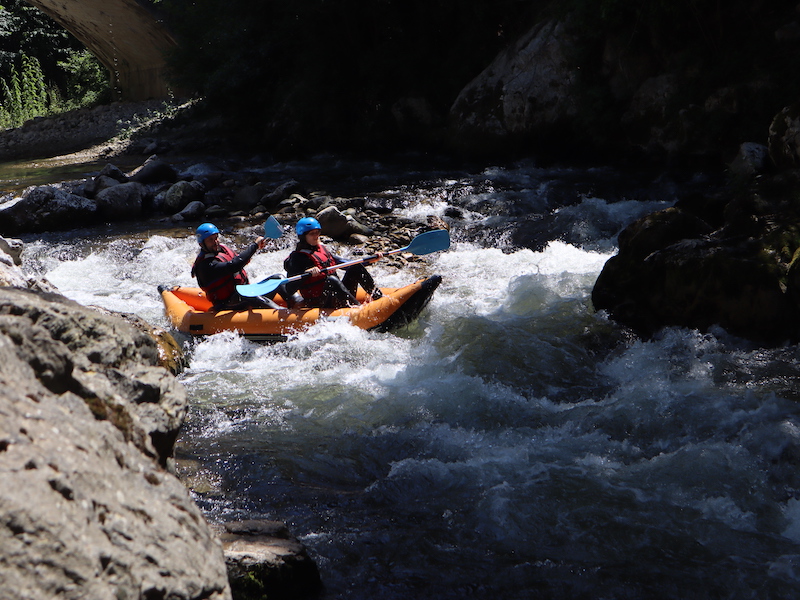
{"x":312,"y":237}
{"x":212,"y":243}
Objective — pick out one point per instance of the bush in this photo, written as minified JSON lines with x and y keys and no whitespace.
{"x":87,"y":81}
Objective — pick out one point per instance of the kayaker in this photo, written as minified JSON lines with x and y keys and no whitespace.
{"x":324,"y":290}
{"x":219,"y":270}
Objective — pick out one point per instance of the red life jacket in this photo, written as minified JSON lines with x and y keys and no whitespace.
{"x":321,"y":258}
{"x":223,"y":288}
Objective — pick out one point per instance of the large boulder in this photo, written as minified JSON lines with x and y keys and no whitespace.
{"x":522,"y":94}
{"x":121,"y":202}
{"x":675,"y":269}
{"x":87,"y":424}
{"x":46,"y":208}
{"x":784,"y":138}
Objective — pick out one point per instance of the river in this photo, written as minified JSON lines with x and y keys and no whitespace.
{"x":512,"y":443}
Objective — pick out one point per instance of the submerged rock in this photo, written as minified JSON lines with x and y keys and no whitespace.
{"x":264,"y":560}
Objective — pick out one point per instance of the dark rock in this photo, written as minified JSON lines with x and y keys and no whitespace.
{"x":672,"y":270}
{"x":113,"y":172}
{"x":46,"y":208}
{"x":193,"y":210}
{"x":180,"y":194}
{"x":784,"y":138}
{"x":123,"y":201}
{"x":264,"y":560}
{"x":282,"y":192}
{"x":248,"y":197}
{"x":154,"y":171}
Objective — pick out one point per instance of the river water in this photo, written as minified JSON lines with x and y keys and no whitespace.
{"x":512,"y":443}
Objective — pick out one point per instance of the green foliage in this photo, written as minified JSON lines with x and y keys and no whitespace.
{"x":43,"y":69}
{"x":86,"y":82}
{"x":25,"y":95}
{"x":24,"y":29}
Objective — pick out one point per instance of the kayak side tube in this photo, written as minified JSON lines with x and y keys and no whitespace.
{"x":189,"y":311}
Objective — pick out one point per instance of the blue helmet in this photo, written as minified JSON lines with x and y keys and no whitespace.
{"x":306,"y":224}
{"x":204,"y":231}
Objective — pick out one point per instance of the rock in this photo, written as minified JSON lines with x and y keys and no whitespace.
{"x":13,"y":248}
{"x":193,"y":210}
{"x":338,"y":225}
{"x":248,"y":197}
{"x":98,"y":184}
{"x":521,"y":94}
{"x":263,"y":560}
{"x":672,"y":269}
{"x":784,"y":138}
{"x":334,"y":223}
{"x":10,"y":274}
{"x":170,"y":355}
{"x":751,"y":160}
{"x":46,"y":208}
{"x":154,"y":171}
{"x":88,"y":510}
{"x":282,"y":192}
{"x":113,"y":172}
{"x":123,"y":201}
{"x":180,"y":194}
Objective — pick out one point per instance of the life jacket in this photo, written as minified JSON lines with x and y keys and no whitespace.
{"x":321,"y":258}
{"x":222,"y":288}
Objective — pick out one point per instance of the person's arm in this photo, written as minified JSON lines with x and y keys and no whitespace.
{"x":214,"y":269}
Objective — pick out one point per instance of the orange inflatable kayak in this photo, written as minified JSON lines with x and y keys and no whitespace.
{"x":190,"y":312}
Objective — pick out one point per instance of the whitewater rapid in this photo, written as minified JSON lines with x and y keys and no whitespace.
{"x":511,"y":443}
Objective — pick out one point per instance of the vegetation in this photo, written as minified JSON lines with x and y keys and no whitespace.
{"x":43,"y":69}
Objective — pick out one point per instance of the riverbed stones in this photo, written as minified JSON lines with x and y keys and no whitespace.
{"x":88,"y":510}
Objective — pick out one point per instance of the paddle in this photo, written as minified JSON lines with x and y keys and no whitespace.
{"x":424,"y":243}
{"x":272,"y":229}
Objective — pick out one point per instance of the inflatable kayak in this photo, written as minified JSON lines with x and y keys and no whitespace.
{"x":190,"y":312}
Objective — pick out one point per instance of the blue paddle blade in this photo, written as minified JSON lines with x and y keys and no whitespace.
{"x":259,"y":289}
{"x":272,"y":229}
{"x":430,"y":241}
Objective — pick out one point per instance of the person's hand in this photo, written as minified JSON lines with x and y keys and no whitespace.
{"x":314,"y":271}
{"x":378,"y":256}
{"x":261,"y":242}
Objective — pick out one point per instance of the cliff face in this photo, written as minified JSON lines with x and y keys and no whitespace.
{"x":568,"y":89}
{"x":87,"y":426}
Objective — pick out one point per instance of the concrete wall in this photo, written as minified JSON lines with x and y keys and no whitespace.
{"x":124,"y":35}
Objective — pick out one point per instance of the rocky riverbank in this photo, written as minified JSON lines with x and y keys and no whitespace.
{"x":89,"y":413}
